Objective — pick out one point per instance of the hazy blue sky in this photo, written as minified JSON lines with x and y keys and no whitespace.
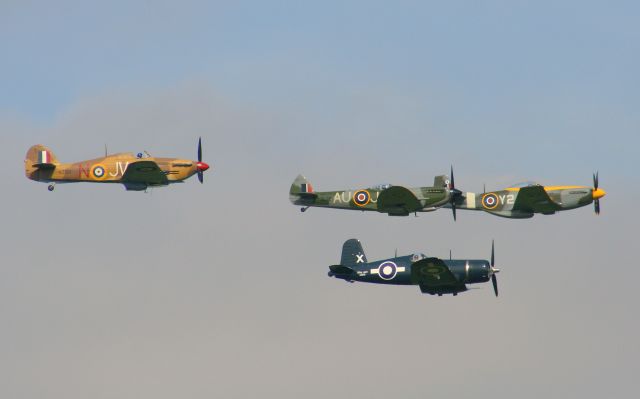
{"x":220,"y":290}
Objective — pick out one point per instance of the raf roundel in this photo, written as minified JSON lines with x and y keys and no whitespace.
{"x":361,"y":197}
{"x":490,"y":201}
{"x":99,"y":172}
{"x":387,"y":270}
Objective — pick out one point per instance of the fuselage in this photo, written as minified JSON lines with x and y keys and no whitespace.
{"x":398,"y":271}
{"x":504,"y":202}
{"x":367,"y":199}
{"x":111,"y":169}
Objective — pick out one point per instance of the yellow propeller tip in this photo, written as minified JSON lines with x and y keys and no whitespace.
{"x":599,"y":193}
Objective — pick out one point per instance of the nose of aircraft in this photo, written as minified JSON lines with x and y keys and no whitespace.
{"x":201,"y":166}
{"x":598,"y":193}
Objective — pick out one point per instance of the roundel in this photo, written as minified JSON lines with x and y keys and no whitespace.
{"x":387,"y":270}
{"x":490,"y":201}
{"x":98,"y":172}
{"x":432,"y":270}
{"x":361,"y":197}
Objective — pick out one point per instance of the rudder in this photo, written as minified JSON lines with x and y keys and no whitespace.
{"x":301,"y":191}
{"x":352,"y":253}
{"x":301,"y":186}
{"x":39,"y":157}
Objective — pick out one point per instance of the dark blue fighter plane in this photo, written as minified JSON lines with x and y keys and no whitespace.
{"x":432,"y":275}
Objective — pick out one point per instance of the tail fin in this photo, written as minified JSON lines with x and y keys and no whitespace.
{"x":42,"y":157}
{"x":301,"y":190}
{"x":39,"y":157}
{"x":352,"y":253}
{"x":301,"y":186}
{"x":441,"y":181}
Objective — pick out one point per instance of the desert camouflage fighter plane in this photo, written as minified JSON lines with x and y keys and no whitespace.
{"x":136,"y":173}
{"x":384,"y":198}
{"x":526,"y":199}
{"x":434,"y":276}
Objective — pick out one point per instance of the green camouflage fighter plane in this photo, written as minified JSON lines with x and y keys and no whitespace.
{"x":434,"y":276}
{"x":526,"y":199}
{"x":384,"y":198}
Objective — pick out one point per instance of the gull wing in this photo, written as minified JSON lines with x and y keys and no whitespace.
{"x":432,"y":272}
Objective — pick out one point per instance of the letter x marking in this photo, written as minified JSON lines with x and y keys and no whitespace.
{"x":360,"y":256}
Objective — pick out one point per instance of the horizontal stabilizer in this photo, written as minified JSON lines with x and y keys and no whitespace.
{"x":45,"y":166}
{"x":308,"y":195}
{"x":341,"y":270}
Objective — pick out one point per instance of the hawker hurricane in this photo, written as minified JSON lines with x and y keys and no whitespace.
{"x":135,"y":172}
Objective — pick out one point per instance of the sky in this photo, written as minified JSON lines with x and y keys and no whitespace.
{"x":220,"y":290}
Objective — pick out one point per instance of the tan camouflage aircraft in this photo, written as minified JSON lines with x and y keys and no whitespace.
{"x":384,"y":198}
{"x":526,"y":199}
{"x":135,"y":172}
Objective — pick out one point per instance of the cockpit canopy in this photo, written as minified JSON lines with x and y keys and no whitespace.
{"x":417,"y":257}
{"x":524,"y":184}
{"x":381,"y":187}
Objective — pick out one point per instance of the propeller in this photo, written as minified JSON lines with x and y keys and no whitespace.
{"x":597,"y":193}
{"x":494,"y":280}
{"x":454,"y":194}
{"x":201,"y":166}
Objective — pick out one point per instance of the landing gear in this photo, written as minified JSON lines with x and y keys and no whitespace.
{"x":304,"y":209}
{"x":51,"y":187}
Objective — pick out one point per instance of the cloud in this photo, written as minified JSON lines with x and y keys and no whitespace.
{"x":221,"y":289}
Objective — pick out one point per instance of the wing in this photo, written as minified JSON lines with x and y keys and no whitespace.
{"x":144,"y":172}
{"x":432,"y":272}
{"x":534,"y":199}
{"x":397,"y":200}
{"x":434,"y":276}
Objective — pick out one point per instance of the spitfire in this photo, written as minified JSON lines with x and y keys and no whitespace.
{"x":526,"y":199}
{"x":385,"y":198}
{"x":434,"y":276}
{"x":136,"y":173}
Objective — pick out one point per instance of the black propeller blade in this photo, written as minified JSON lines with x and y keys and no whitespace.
{"x":200,"y":172}
{"x":455,"y":194}
{"x":493,"y":254}
{"x":494,"y":280}
{"x":596,"y":202}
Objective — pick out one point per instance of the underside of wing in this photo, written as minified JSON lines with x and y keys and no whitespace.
{"x":534,"y":199}
{"x":398,"y":200}
{"x":434,"y":277}
{"x":144,"y":172}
